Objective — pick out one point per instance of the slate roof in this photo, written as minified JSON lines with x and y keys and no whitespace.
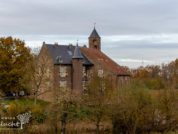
{"x":77,"y":53}
{"x":94,"y":34}
{"x":96,"y":56}
{"x":62,"y":54}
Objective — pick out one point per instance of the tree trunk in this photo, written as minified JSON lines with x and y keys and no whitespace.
{"x":98,"y":126}
{"x":63,"y":123}
{"x":63,"y":127}
{"x":35,"y":98}
{"x":56,"y":130}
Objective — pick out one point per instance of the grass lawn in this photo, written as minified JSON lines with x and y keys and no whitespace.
{"x":23,"y":101}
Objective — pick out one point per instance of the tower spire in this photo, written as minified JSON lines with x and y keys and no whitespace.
{"x":77,"y":53}
{"x":94,"y":39}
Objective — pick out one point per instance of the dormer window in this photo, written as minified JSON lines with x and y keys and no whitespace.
{"x":59,"y":59}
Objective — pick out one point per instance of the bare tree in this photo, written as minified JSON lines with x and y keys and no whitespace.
{"x":41,"y":74}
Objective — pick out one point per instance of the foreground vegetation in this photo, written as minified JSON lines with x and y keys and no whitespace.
{"x":135,"y":111}
{"x":148,"y":105}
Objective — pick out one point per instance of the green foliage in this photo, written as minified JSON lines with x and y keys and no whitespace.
{"x":97,"y":98}
{"x":142,"y":111}
{"x":14,"y":107}
{"x":130,"y":110}
{"x":39,"y":117}
{"x":154,"y":83}
{"x":84,"y":112}
{"x":13,"y":65}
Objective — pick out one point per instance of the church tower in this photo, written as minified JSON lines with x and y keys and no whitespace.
{"x":94,"y":40}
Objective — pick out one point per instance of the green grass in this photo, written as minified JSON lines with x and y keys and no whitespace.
{"x":24,"y":101}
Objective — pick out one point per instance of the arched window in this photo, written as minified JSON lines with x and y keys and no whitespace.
{"x":95,"y":43}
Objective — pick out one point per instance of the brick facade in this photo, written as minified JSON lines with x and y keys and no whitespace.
{"x":71,"y":67}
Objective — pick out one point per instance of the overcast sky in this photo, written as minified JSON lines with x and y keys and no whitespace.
{"x":134,"y":32}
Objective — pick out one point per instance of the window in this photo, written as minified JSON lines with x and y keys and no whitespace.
{"x":48,"y":72}
{"x":95,"y":43}
{"x":84,"y":86}
{"x":63,"y":84}
{"x":84,"y":71}
{"x":100,"y":73}
{"x":70,"y":53}
{"x":62,"y":71}
{"x":48,"y":84}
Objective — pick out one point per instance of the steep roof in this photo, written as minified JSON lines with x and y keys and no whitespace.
{"x":62,"y":54}
{"x":96,"y":56}
{"x":77,"y":53}
{"x":94,"y":34}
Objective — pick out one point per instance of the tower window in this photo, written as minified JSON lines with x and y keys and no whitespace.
{"x":95,"y":46}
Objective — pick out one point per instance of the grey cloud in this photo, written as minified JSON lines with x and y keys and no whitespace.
{"x":77,"y":17}
{"x":64,"y":21}
{"x":140,"y":45}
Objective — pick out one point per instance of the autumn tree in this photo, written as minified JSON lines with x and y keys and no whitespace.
{"x":97,"y":97}
{"x":14,"y":62}
{"x":132,"y":111}
{"x":64,"y":109}
{"x":149,"y":76}
{"x":176,"y":74}
{"x":41,"y":74}
{"x":167,"y":115}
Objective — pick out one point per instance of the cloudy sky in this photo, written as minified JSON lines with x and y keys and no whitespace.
{"x":134,"y":32}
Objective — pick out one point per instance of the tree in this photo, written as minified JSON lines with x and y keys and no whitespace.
{"x":97,"y":98}
{"x":133,"y":111}
{"x":14,"y":63}
{"x":65,"y":108}
{"x":176,"y":74}
{"x":167,"y":118}
{"x":41,"y":71}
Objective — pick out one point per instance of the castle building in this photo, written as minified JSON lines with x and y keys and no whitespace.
{"x":69,"y":66}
